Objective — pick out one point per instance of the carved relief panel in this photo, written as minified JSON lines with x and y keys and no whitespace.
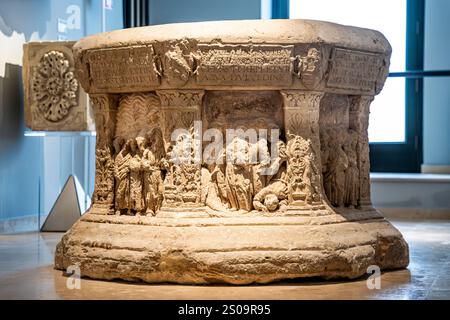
{"x":53,"y":97}
{"x":301,"y":120}
{"x":252,"y":109}
{"x":178,"y":62}
{"x":182,"y":182}
{"x":246,"y":173}
{"x":356,"y":70}
{"x":310,"y":67}
{"x":343,"y":133}
{"x":262,"y":65}
{"x":138,"y":155}
{"x":359,"y":124}
{"x":105,"y":108}
{"x":110,"y":69}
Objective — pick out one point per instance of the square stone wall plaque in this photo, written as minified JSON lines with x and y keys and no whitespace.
{"x":53,"y":98}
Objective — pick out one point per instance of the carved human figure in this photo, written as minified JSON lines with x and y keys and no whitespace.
{"x":272,"y":197}
{"x":182,"y":184}
{"x":122,"y":175}
{"x":275,"y":195}
{"x":183,"y":151}
{"x":309,"y":68}
{"x":324,"y":149}
{"x":218,"y":190}
{"x":259,"y":152}
{"x":136,"y":204}
{"x":301,"y":171}
{"x":152,"y":150}
{"x":278,"y":166}
{"x":104,"y":178}
{"x":352,"y":172}
{"x":310,"y":62}
{"x":334,"y":177}
{"x":239,"y":175}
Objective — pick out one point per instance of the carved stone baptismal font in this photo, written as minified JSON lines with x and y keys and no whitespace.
{"x":233,"y":152}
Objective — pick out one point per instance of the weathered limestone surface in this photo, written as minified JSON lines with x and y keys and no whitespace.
{"x":54,"y":99}
{"x":292,"y":200}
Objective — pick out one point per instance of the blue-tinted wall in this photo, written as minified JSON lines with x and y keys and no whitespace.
{"x":170,"y":11}
{"x":33,"y":169}
{"x":437,"y":90}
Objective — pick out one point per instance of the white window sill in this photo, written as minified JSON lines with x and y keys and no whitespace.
{"x":409,"y":177}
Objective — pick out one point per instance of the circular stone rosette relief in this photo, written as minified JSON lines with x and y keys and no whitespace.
{"x":54,"y":86}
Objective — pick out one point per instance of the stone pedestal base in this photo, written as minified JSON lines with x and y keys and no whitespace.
{"x":235,"y":250}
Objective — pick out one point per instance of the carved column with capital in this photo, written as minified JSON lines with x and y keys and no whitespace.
{"x":301,"y":122}
{"x":180,"y":109}
{"x":359,"y":121}
{"x":105,"y":108}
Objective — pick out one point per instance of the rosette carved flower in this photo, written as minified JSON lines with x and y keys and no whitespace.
{"x":54,"y":86}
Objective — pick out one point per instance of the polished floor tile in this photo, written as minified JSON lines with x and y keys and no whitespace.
{"x":26,"y":272}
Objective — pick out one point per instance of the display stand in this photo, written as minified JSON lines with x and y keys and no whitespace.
{"x":66,"y":164}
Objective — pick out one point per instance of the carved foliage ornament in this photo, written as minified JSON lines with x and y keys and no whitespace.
{"x":174,"y":98}
{"x":54,"y":86}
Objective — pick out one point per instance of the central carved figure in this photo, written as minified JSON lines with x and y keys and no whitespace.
{"x":232,"y":152}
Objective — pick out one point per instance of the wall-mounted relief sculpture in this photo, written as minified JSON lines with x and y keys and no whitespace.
{"x":54,"y":99}
{"x":232,"y":152}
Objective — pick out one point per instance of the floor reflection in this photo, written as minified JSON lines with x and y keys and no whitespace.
{"x":26,"y":272}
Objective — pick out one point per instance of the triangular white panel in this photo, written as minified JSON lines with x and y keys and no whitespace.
{"x":82,"y":197}
{"x":66,"y":210}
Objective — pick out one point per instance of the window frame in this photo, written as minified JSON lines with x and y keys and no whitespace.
{"x":407,"y":156}
{"x":398,"y":156}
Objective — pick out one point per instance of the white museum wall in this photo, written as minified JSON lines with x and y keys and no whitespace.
{"x":33,"y":169}
{"x":418,"y":196}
